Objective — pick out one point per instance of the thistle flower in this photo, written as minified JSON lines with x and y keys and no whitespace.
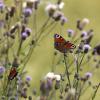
{"x":2,"y":70}
{"x":44,"y":88}
{"x":84,"y":34}
{"x":25,"y":32}
{"x":87,"y":36}
{"x":70,"y":32}
{"x":49,"y":84}
{"x":86,"y":48}
{"x":28,"y":31}
{"x":28,"y":78}
{"x":24,"y":35}
{"x":63,"y":20}
{"x":50,"y":9}
{"x":88,"y":75}
{"x":57,"y":15}
{"x":82,"y":24}
{"x":57,"y":77}
{"x":27,"y":12}
{"x":60,"y":5}
{"x":1,"y":6}
{"x":50,"y":75}
{"x":96,"y":50}
{"x":85,"y":21}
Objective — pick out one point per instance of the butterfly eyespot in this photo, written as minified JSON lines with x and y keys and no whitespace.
{"x":57,"y":36}
{"x":73,"y":46}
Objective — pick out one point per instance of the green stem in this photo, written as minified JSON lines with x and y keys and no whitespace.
{"x":67,"y":72}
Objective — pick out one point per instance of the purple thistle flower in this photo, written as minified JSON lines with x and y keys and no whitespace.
{"x":27,"y":12}
{"x":88,"y":75}
{"x":24,"y":35}
{"x":63,"y":20}
{"x":28,"y":78}
{"x":1,"y":5}
{"x":28,"y":31}
{"x":2,"y":70}
{"x":86,"y":48}
{"x":70,"y":32}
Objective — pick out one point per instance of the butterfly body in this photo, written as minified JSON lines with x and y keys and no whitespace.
{"x":61,"y":44}
{"x":13,"y":73}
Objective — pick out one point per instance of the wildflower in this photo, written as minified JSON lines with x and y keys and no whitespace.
{"x":50,"y":75}
{"x":24,"y":35}
{"x":85,"y":21}
{"x":60,"y":5}
{"x":25,"y":32}
{"x":1,"y":6}
{"x":96,"y":50}
{"x":57,"y":15}
{"x":24,"y":94}
{"x":24,"y":5}
{"x":84,"y":34}
{"x":50,"y":9}
{"x":28,"y":31}
{"x":27,"y":12}
{"x":44,"y":88}
{"x":63,"y":20}
{"x":28,"y":78}
{"x":70,"y":32}
{"x":82,"y":24}
{"x":49,"y":84}
{"x":2,"y":70}
{"x":86,"y":48}
{"x":88,"y":37}
{"x":57,"y":77}
{"x":88,"y":75}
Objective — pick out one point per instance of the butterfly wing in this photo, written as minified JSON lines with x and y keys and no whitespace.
{"x":61,"y":44}
{"x":13,"y":73}
{"x":69,"y":45}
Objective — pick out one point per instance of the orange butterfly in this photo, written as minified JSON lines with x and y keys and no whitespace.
{"x":61,"y":44}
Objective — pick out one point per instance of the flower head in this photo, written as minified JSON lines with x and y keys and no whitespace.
{"x":28,"y":78}
{"x":50,"y":75}
{"x":88,"y":75}
{"x":96,"y":50}
{"x":86,"y":48}
{"x":57,"y":77}
{"x":2,"y":70}
{"x":70,"y":32}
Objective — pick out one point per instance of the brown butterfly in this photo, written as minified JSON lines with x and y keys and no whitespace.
{"x":13,"y":73}
{"x":61,"y":44}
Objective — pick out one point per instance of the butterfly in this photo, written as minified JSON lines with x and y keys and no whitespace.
{"x":61,"y":44}
{"x":13,"y":73}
